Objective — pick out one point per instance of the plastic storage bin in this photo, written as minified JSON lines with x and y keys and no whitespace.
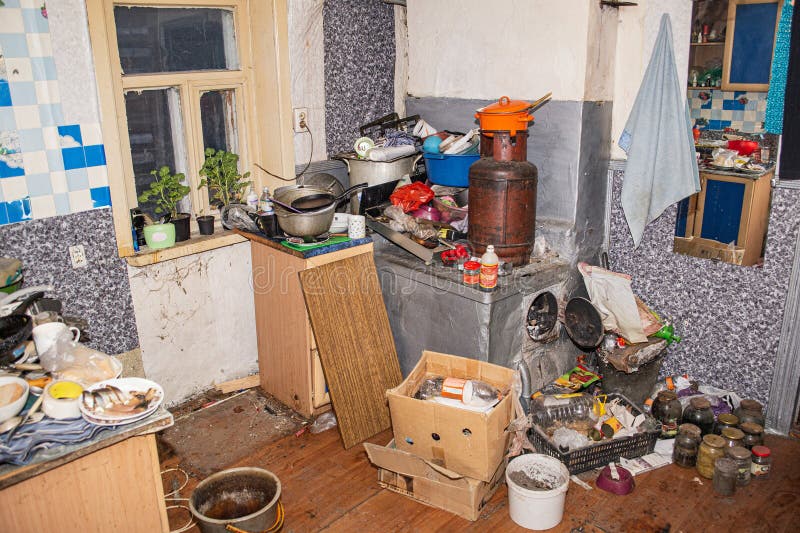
{"x":450,"y":170}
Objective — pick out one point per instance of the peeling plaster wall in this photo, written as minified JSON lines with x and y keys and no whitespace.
{"x":196,"y":320}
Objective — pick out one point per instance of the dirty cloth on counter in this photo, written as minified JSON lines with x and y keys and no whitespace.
{"x":662,"y":167}
{"x":47,"y":434}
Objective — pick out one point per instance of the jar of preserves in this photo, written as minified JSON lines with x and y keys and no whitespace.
{"x":667,"y":410}
{"x":743,"y":463}
{"x":753,"y":434}
{"x":711,"y":449}
{"x":472,"y":271}
{"x":750,"y":411}
{"x":725,"y":420}
{"x":762,"y":462}
{"x":699,"y":413}
{"x":684,"y":452}
{"x":725,"y":473}
{"x":733,"y":437}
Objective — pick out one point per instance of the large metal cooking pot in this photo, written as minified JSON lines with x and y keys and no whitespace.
{"x":303,"y":224}
{"x":378,"y":172}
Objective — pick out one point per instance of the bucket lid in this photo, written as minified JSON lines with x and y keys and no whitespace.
{"x":505,"y":106}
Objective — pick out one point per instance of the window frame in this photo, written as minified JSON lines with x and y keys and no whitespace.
{"x":261,"y":88}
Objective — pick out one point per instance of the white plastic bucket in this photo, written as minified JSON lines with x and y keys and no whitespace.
{"x":537,"y":509}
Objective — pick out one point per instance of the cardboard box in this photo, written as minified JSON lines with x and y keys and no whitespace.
{"x":411,"y":476}
{"x":467,"y":442}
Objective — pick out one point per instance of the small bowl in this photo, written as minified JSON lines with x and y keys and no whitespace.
{"x":427,"y":212}
{"x":622,"y":486}
{"x":13,"y":408}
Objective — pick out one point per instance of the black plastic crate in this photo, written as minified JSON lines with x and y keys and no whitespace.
{"x":600,"y":453}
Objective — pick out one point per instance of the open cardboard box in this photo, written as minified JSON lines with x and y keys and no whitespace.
{"x":412,"y":476}
{"x":467,"y":442}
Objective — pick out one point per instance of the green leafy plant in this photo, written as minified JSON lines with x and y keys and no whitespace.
{"x":221,"y":176}
{"x":166,"y":190}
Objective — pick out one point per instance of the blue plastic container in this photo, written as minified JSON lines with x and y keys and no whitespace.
{"x":450,"y":170}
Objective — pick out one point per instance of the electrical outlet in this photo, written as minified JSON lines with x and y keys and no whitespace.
{"x":300,"y":119}
{"x":78,"y":256}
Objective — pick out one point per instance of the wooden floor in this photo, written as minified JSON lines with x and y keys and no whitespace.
{"x":328,"y":488}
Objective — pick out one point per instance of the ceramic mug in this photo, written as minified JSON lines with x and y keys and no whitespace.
{"x":356,"y":227}
{"x":45,"y":336}
{"x":45,"y":317}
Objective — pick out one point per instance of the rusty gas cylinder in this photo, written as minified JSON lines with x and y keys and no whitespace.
{"x":502,"y":199}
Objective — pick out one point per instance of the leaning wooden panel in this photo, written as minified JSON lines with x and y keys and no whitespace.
{"x":355,"y":343}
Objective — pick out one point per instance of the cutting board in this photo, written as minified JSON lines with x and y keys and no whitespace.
{"x":355,"y":343}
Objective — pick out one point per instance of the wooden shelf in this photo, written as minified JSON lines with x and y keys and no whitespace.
{"x":715,"y":43}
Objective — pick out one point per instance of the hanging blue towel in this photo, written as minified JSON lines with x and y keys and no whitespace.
{"x":662,"y":166}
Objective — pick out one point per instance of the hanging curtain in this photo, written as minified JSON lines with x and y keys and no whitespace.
{"x":780,"y":66}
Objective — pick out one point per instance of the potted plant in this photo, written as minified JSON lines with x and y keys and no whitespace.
{"x":205,"y":223}
{"x":222,"y":178}
{"x":166,"y":190}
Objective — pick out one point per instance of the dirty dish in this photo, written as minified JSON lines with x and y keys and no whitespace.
{"x":13,"y":395}
{"x":121,"y":400}
{"x":623,"y":485}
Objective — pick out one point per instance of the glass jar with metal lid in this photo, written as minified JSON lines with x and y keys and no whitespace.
{"x":711,"y":449}
{"x":742,"y":457}
{"x":684,"y":452}
{"x":733,"y":437}
{"x":725,"y":420}
{"x":753,"y":434}
{"x":667,"y":410}
{"x":699,"y":413}
{"x":762,"y":462}
{"x":725,"y":474}
{"x":750,"y":411}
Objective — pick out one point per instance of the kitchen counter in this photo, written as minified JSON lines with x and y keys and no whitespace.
{"x":753,"y":176}
{"x":275,"y":244}
{"x":110,"y":483}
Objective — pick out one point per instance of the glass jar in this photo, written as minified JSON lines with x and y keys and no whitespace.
{"x":684,"y":452}
{"x":762,"y":462}
{"x":725,"y":473}
{"x":743,"y":463}
{"x":725,"y":420}
{"x":667,"y":410}
{"x":472,"y":270}
{"x":699,"y":413}
{"x":753,"y":434}
{"x":711,"y":449}
{"x":733,"y":437}
{"x":750,"y":411}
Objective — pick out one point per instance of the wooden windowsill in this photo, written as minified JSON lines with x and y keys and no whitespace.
{"x":196,"y":244}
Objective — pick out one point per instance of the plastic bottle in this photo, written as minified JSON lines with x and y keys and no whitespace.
{"x":252,"y":198}
{"x":549,"y":408}
{"x":264,"y":203}
{"x":489,"y":264}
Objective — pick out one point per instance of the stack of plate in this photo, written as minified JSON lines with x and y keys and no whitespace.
{"x":101,"y":418}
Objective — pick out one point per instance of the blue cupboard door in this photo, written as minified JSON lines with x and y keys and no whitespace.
{"x":722,"y":211}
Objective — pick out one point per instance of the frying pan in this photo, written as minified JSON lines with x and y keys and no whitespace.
{"x":15,"y":329}
{"x":316,"y":201}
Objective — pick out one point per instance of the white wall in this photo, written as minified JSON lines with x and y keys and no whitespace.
{"x":638,"y":29}
{"x":483,"y":50}
{"x":196,"y":320}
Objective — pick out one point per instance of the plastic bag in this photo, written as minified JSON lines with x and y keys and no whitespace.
{"x":724,"y":157}
{"x":73,"y":361}
{"x":411,"y":197}
{"x":324,"y":422}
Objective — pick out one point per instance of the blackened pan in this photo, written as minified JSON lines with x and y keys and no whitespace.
{"x":319,"y":201}
{"x":15,"y":329}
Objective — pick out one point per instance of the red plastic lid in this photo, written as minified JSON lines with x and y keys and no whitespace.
{"x":761,"y":451}
{"x":472,"y":265}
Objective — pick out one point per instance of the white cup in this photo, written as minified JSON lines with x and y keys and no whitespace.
{"x":46,"y":335}
{"x":356,"y":227}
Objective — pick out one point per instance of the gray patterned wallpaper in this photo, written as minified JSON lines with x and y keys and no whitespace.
{"x":359,"y":67}
{"x":99,"y":292}
{"x":729,"y":316}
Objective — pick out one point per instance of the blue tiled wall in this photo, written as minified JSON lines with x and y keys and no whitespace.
{"x":47,"y":167}
{"x":723,"y":109}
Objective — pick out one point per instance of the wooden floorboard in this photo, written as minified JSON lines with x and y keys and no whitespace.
{"x":327,"y":488}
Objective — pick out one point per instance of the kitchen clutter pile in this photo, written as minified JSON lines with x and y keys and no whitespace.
{"x":54,"y":390}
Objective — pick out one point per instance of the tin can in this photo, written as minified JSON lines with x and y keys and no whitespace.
{"x":472,"y":273}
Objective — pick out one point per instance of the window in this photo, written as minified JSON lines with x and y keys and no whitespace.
{"x":176,"y":77}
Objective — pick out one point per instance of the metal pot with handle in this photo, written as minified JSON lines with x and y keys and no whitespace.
{"x":378,"y":172}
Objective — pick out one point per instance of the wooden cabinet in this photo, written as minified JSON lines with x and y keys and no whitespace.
{"x":288,"y":361}
{"x":727,"y":220}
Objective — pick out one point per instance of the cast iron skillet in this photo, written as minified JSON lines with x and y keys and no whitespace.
{"x":15,"y":329}
{"x":317,"y":201}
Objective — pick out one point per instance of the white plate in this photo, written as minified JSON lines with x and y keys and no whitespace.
{"x":110,"y":423}
{"x":126,"y":385}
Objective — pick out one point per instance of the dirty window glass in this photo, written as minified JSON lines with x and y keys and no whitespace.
{"x":155,"y":132}
{"x":218,"y":119}
{"x":156,"y":39}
